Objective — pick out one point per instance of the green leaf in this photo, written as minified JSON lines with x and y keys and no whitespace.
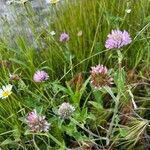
{"x":123,"y":132}
{"x":96,"y":105}
{"x":120,"y":79}
{"x":6,"y":142}
{"x":146,"y":20}
{"x":81,"y":116}
{"x":19,"y":62}
{"x":98,"y":97}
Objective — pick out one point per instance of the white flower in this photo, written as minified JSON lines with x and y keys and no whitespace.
{"x":52,"y":33}
{"x":5,"y":91}
{"x":128,"y":11}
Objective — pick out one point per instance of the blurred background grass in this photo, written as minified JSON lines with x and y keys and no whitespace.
{"x":28,"y":37}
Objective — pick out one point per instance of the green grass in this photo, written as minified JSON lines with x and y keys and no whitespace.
{"x":104,"y":118}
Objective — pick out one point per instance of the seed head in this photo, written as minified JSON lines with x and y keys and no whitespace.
{"x":65,"y":110}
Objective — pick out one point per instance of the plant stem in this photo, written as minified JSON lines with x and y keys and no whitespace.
{"x":120,"y":57}
{"x":113,"y":119}
{"x":56,"y":141}
{"x":35,"y":145}
{"x":88,"y":131}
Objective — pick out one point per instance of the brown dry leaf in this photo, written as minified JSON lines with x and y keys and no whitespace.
{"x":5,"y":63}
{"x":77,"y":81}
{"x":126,"y":112}
{"x":132,"y":76}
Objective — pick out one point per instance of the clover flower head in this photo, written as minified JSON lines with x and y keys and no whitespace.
{"x":117,"y":39}
{"x":37,"y":123}
{"x":5,"y":91}
{"x":100,"y":76}
{"x":64,"y":37}
{"x":40,"y":76}
{"x":65,"y":110}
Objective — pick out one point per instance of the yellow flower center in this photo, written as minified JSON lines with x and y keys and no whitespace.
{"x":6,"y":93}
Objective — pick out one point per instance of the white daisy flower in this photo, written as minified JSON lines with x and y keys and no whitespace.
{"x":5,"y":91}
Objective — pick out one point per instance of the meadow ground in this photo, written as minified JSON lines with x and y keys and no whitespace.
{"x":76,"y":76}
